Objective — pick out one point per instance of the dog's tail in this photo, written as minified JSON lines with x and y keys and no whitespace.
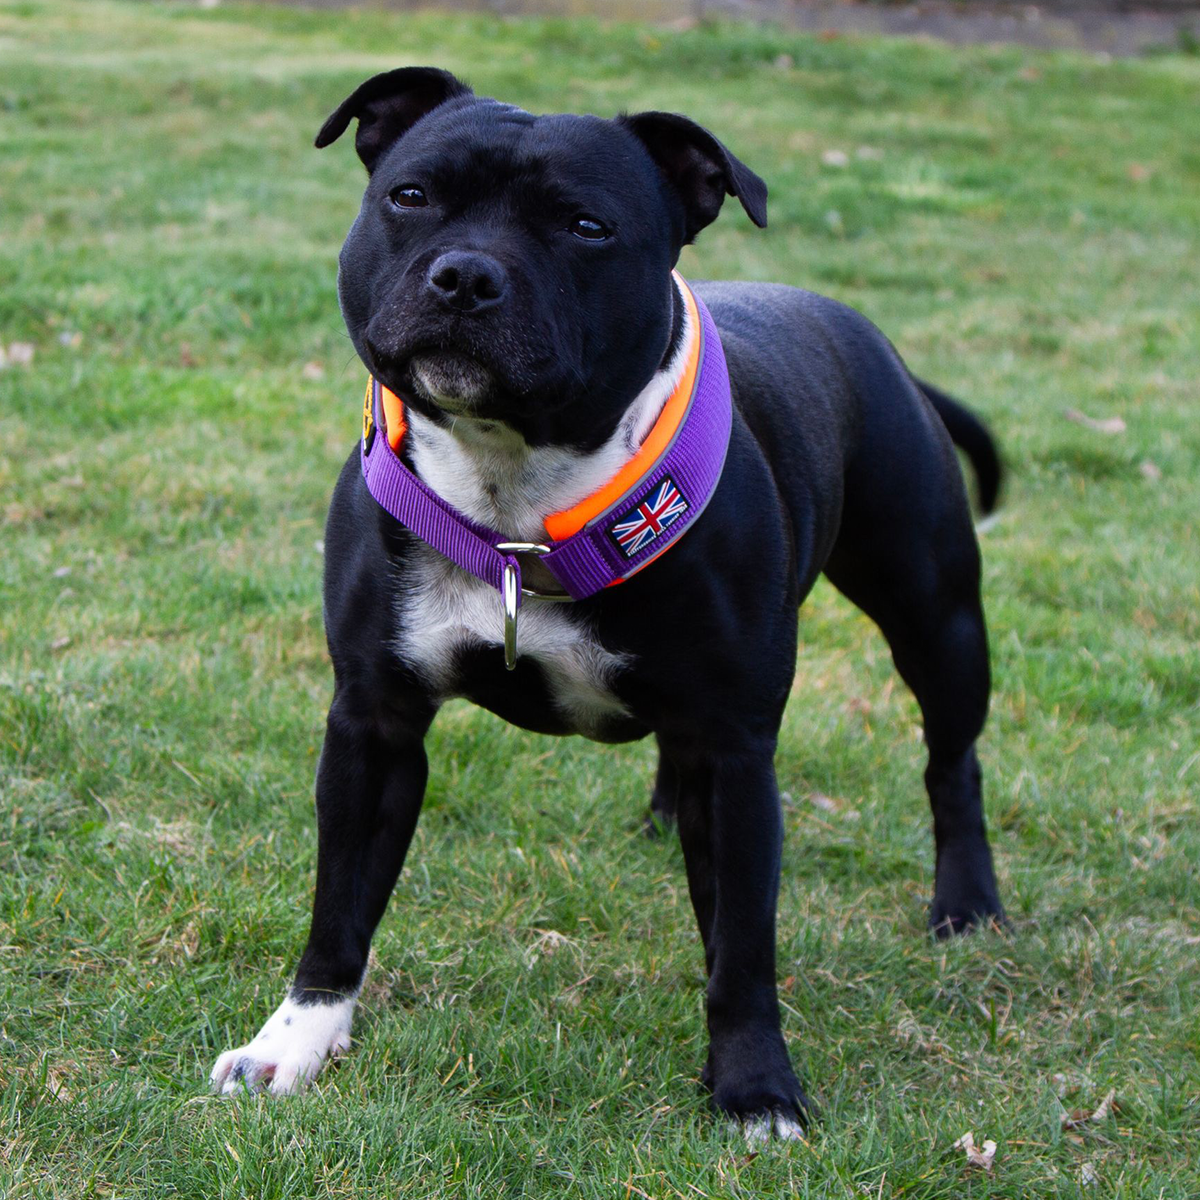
{"x":967,"y":431}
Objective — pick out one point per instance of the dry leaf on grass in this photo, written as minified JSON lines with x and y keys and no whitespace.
{"x":1087,"y":1175}
{"x":1078,"y":1116}
{"x":976,"y":1156}
{"x":1098,"y":424}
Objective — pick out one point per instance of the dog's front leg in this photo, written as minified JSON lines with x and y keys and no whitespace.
{"x":731,"y":827}
{"x":369,"y":791}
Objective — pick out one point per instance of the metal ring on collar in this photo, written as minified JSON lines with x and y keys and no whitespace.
{"x":541,"y":551}
{"x":510,"y":595}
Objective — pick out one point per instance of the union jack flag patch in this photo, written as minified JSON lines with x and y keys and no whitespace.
{"x":637,"y":528}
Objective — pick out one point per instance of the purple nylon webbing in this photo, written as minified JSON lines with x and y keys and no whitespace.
{"x":417,"y":507}
{"x":590,"y":559}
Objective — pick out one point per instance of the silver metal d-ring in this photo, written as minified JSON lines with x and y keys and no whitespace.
{"x":541,"y":551}
{"x":511,"y":593}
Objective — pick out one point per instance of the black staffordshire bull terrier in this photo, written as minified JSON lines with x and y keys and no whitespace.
{"x":509,"y":279}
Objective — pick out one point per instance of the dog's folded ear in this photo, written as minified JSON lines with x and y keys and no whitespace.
{"x":388,"y":106}
{"x":698,"y":167}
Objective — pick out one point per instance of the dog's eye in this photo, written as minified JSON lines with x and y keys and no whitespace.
{"x":408,"y":197}
{"x":589,"y":229}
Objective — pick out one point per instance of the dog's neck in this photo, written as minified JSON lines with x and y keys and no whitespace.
{"x":487,"y":471}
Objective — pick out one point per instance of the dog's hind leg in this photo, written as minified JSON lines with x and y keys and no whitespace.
{"x":370,"y":784}
{"x":907,"y":556}
{"x":665,"y":797}
{"x":938,"y":640}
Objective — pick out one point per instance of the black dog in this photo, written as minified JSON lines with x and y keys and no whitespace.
{"x":510,"y":277}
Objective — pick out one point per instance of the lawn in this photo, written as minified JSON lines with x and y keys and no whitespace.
{"x":1022,"y":225}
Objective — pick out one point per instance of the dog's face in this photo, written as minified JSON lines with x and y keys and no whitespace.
{"x":516,"y":268}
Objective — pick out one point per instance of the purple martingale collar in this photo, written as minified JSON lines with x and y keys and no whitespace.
{"x":635,"y":528}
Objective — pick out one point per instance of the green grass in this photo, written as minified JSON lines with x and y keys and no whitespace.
{"x":1023,"y":226}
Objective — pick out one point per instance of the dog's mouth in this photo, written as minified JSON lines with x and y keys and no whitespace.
{"x":483,"y":371}
{"x":454,"y":382}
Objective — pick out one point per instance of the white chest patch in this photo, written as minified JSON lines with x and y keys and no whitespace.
{"x":443,"y":610}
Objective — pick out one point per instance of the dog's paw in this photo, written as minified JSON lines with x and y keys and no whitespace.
{"x":751,"y":1079}
{"x":766,"y":1107}
{"x":289,"y":1050}
{"x":963,"y":908}
{"x":781,"y":1126}
{"x":965,"y":895}
{"x":947,"y":922}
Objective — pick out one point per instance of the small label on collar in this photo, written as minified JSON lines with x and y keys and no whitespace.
{"x":369,"y":417}
{"x":642,"y":524}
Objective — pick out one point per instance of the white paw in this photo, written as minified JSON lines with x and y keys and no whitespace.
{"x":289,"y":1050}
{"x":758,"y":1130}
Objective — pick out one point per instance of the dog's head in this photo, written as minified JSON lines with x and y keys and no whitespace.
{"x":513,"y":267}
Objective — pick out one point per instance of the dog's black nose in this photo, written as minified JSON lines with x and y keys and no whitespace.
{"x":467,"y":281}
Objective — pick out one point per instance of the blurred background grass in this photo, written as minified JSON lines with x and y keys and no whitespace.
{"x":177,"y":397}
